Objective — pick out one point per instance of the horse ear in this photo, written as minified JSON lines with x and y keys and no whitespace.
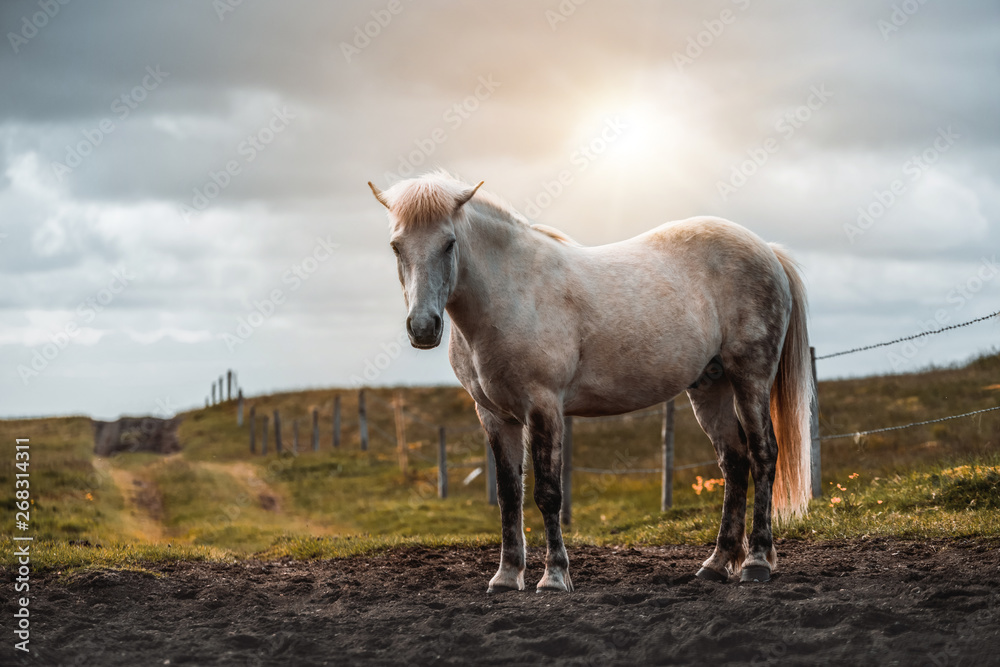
{"x":380,"y":197}
{"x":467,"y":195}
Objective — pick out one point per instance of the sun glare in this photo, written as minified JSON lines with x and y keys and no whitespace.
{"x":633,"y":135}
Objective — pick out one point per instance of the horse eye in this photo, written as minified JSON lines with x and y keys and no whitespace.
{"x":395,"y":250}
{"x":450,"y":246}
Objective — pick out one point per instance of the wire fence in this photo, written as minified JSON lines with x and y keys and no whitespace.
{"x":411,"y":416}
{"x":906,"y":338}
{"x":902,"y":426}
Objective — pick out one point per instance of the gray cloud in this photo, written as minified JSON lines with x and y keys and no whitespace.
{"x":555,"y":85}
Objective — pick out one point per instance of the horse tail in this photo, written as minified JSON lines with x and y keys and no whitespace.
{"x":791,"y":395}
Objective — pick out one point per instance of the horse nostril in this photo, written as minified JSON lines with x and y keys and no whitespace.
{"x":409,"y":325}
{"x":437,"y":323}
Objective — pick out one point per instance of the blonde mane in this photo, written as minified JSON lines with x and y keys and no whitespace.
{"x":424,"y":200}
{"x":431,"y":197}
{"x":555,"y":233}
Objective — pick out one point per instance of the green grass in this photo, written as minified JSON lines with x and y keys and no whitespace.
{"x":215,"y":501}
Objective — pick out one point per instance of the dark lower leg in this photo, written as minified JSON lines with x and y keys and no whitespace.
{"x":764,"y":457}
{"x":510,"y":494}
{"x":546,"y":451}
{"x":508,"y":452}
{"x":730,"y":546}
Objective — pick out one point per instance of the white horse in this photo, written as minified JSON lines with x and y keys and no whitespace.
{"x":543,"y":327}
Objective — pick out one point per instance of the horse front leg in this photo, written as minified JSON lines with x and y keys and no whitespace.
{"x":546,"y":432}
{"x":508,"y":452}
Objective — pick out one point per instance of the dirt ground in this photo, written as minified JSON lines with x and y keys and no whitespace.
{"x":871,"y":602}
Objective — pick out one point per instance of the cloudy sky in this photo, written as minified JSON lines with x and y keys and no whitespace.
{"x":167,"y":169}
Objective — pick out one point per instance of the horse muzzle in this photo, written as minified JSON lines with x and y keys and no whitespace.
{"x":424,"y":331}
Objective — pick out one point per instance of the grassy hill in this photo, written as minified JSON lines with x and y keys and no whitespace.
{"x":214,"y":499}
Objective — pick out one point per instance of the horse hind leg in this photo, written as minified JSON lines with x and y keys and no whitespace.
{"x":754,"y":413}
{"x":713,"y":407}
{"x":508,"y":451}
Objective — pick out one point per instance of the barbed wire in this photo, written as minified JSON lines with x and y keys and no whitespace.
{"x":906,"y":338}
{"x":640,"y":471}
{"x":410,"y":413}
{"x":391,"y":437}
{"x":458,"y":430}
{"x":902,"y":426}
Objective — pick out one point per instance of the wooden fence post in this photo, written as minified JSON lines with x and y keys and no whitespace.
{"x":442,"y":463}
{"x":263,"y":436}
{"x":336,"y":422}
{"x":491,"y":475}
{"x":229,"y":385}
{"x":362,"y":421}
{"x":253,"y":430}
{"x":816,"y":473}
{"x":567,"y":471}
{"x":315,"y":429}
{"x":213,"y":393}
{"x":402,"y":451}
{"x":222,"y":397}
{"x":277,"y":432}
{"x":295,"y":437}
{"x":667,"y":489}
{"x":239,"y":408}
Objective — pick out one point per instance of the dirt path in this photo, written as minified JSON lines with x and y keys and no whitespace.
{"x":873,"y":602}
{"x":143,"y":510}
{"x":247,"y":475}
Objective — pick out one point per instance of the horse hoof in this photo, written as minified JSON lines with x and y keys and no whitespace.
{"x":755,"y":574}
{"x":709,"y":574}
{"x":555,"y":587}
{"x":493,"y":590}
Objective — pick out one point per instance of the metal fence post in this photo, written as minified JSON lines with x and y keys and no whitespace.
{"x":253,"y":430}
{"x":442,"y":463}
{"x":315,"y":442}
{"x":667,"y":491}
{"x":277,"y":432}
{"x":567,"y":471}
{"x":263,"y":436}
{"x":336,"y":422}
{"x":816,"y":472}
{"x":402,"y":450}
{"x":491,"y":475}
{"x":363,"y":421}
